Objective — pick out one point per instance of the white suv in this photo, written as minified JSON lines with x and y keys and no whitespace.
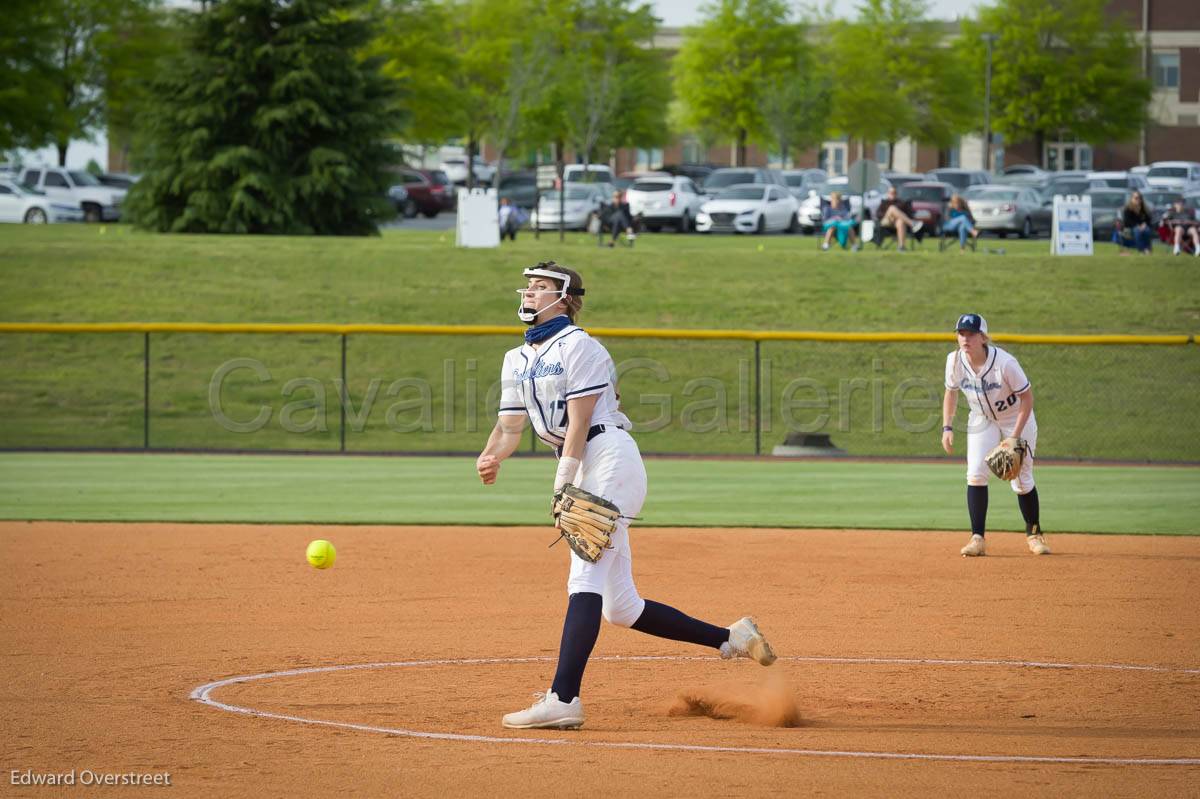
{"x":668,"y":200}
{"x":22,"y":204}
{"x":1176,"y":175}
{"x":587,"y":173}
{"x":76,"y":187}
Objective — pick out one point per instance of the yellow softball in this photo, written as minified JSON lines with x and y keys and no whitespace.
{"x":321,"y":554}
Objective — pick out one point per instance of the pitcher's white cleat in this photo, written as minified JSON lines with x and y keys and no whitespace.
{"x":746,"y":641}
{"x":974,"y":548}
{"x":547,"y":713}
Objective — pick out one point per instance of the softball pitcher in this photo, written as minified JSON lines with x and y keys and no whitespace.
{"x":1001,"y":402}
{"x":564,"y":382}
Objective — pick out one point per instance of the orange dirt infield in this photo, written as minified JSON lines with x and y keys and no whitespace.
{"x":108,"y":629}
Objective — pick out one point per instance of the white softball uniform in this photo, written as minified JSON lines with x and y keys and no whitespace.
{"x":539,"y":383}
{"x":992,"y":394}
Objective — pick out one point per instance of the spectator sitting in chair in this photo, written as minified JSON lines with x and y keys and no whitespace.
{"x":836,"y":218}
{"x":959,"y":220}
{"x":897,"y":214}
{"x":1135,"y":230}
{"x":621,"y":219}
{"x":1182,"y":222}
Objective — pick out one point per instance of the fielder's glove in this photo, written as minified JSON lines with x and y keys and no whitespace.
{"x":1006,"y":459}
{"x":587,"y":521}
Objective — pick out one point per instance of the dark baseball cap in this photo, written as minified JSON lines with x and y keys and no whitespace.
{"x":972,"y":321}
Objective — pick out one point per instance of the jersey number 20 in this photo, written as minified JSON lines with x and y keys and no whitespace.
{"x":1005,"y":404}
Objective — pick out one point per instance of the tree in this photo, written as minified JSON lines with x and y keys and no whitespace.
{"x":25,"y":75}
{"x":1060,"y":69}
{"x":796,"y":101}
{"x":727,"y":62}
{"x":268,"y":121}
{"x":894,"y":77}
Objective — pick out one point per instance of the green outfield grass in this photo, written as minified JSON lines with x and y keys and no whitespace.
{"x":281,"y":489}
{"x":432,"y":394}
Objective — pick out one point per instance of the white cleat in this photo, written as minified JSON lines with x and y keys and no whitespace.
{"x":746,"y":641}
{"x":1037,"y":544}
{"x":974,"y":548}
{"x":547,"y":713}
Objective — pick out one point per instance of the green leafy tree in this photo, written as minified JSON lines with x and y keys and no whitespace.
{"x":268,"y":121}
{"x":26,"y":85}
{"x":894,"y":77}
{"x":1064,"y":68}
{"x":797,"y":99}
{"x":727,"y":62}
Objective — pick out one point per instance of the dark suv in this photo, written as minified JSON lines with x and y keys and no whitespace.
{"x":429,"y":192}
{"x":734,"y":175}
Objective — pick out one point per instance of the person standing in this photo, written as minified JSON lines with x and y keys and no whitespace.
{"x":1001,"y":401}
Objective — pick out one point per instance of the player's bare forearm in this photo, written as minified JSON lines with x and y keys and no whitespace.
{"x":579,"y":421}
{"x":949,"y":407}
{"x":504,"y":441}
{"x":1024,"y":409}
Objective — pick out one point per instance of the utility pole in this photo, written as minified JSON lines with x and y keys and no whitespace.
{"x":989,"y":38}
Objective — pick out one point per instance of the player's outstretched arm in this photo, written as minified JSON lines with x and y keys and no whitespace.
{"x":504,"y":440}
{"x":949,"y":407}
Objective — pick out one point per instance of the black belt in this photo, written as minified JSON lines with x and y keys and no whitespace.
{"x":593,"y":431}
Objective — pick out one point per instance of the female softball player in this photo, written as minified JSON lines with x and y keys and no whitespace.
{"x":1001,"y":403}
{"x":563,"y":381}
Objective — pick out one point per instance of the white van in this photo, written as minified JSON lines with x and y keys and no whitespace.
{"x":587,"y":173}
{"x":1175,"y":175}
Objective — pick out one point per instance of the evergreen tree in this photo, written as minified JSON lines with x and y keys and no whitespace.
{"x":269,"y":121}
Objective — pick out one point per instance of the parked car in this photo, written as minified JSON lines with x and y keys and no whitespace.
{"x":428,"y":192}
{"x":1106,"y":210}
{"x":671,"y":200}
{"x":1159,"y":200}
{"x":733,"y":176}
{"x":1004,"y":209}
{"x":1066,"y":184}
{"x":99,"y":203}
{"x":627,"y":179}
{"x":899,"y":179}
{"x":960,"y":179}
{"x":587,"y":173}
{"x":810,"y":207}
{"x":1177,"y":175}
{"x":20,"y":203}
{"x":697,"y":172}
{"x":929,"y":200}
{"x":1117,"y":180}
{"x":1024,"y":169}
{"x":118,"y":180}
{"x":455,"y":168}
{"x":520,"y":188}
{"x":578,"y":204}
{"x":748,"y":208}
{"x":800,"y":181}
{"x":1140,"y":169}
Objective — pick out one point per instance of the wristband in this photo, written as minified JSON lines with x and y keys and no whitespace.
{"x":946,"y":428}
{"x":567,"y":469}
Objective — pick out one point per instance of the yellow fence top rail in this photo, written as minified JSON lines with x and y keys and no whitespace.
{"x":608,"y":332}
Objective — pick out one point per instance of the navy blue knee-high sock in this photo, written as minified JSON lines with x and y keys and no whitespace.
{"x":581,"y":628}
{"x":977,"y":502}
{"x":667,"y":622}
{"x":1031,"y":510}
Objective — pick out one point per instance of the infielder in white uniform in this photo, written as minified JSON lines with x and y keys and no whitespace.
{"x":1001,"y":402}
{"x":564,"y":382}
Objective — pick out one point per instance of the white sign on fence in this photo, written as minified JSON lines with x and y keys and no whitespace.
{"x":478,"y":218}
{"x":1071,"y":225}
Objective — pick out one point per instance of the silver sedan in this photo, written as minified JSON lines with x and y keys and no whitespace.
{"x":1006,"y":209}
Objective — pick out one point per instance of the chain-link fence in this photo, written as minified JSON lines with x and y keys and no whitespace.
{"x":319,"y":391}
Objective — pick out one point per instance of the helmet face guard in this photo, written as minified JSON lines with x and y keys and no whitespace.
{"x":528,"y":315}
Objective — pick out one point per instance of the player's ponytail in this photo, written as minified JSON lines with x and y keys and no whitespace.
{"x":573,"y":302}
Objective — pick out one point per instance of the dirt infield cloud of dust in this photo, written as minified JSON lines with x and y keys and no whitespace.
{"x":766,"y":702}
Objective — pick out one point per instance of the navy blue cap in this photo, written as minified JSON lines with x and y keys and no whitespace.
{"x":972,"y":321}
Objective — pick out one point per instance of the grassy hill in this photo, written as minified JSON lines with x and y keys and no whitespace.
{"x":410,"y":393}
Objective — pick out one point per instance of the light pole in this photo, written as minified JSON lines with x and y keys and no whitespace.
{"x":988,"y":38}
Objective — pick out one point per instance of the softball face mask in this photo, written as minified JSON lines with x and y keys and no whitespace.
{"x":529,"y":315}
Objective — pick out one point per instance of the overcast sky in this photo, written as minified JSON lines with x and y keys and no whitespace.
{"x":673,"y":13}
{"x":677,"y":13}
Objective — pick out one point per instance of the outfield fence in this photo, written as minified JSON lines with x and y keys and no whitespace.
{"x":429,"y":388}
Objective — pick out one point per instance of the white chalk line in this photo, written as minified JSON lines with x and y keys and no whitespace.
{"x":204,"y":695}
